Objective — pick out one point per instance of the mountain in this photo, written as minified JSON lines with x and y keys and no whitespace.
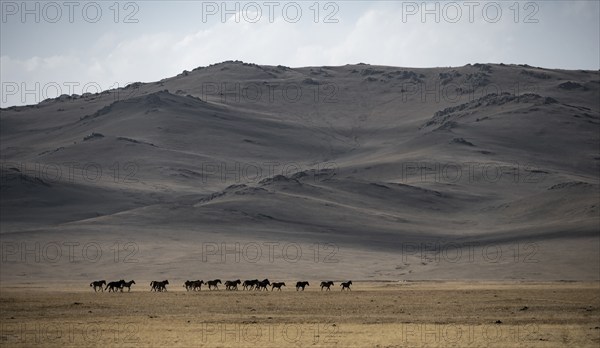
{"x":486,"y":171}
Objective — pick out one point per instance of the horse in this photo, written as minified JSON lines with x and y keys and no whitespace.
{"x":162,"y":286}
{"x":301,"y":285}
{"x":326,"y":284}
{"x":346,"y":285}
{"x":249,"y":284}
{"x":127,"y":285}
{"x":277,"y":285}
{"x":213,"y":284}
{"x":262,"y":285}
{"x":197,"y":285}
{"x":158,"y":286}
{"x":188,"y":285}
{"x":98,"y":284}
{"x":114,"y":286}
{"x":232,"y":284}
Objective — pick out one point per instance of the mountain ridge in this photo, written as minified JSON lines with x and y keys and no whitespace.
{"x":366,"y":156}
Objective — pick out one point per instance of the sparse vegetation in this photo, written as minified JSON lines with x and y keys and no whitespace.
{"x":399,"y":313}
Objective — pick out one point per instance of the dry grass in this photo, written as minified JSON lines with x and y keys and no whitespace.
{"x":374,"y":314}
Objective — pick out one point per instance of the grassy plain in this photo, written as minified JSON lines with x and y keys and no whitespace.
{"x":409,"y":314}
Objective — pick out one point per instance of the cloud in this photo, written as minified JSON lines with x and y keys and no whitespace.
{"x":372,"y":34}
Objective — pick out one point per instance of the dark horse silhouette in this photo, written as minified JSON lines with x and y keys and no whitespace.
{"x":98,"y":284}
{"x":277,"y":285}
{"x":346,"y":285}
{"x":262,"y":285}
{"x":213,"y":284}
{"x":197,"y":285}
{"x":249,"y":284}
{"x":158,"y":286}
{"x":301,"y":285}
{"x":326,"y":284}
{"x":193,"y":285}
{"x":114,"y":286}
{"x":232,"y":284}
{"x":188,"y":285}
{"x":127,"y":285}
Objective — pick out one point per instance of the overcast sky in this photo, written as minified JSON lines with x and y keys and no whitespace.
{"x":98,"y":44}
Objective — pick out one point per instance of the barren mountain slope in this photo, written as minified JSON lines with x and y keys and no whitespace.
{"x":369,"y":158}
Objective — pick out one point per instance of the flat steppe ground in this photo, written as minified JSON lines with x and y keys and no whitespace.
{"x":384,"y":314}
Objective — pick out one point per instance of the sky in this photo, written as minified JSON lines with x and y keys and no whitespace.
{"x":48,"y":48}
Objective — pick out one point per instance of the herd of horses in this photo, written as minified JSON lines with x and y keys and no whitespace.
{"x":196,"y":285}
{"x":112,"y":286}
